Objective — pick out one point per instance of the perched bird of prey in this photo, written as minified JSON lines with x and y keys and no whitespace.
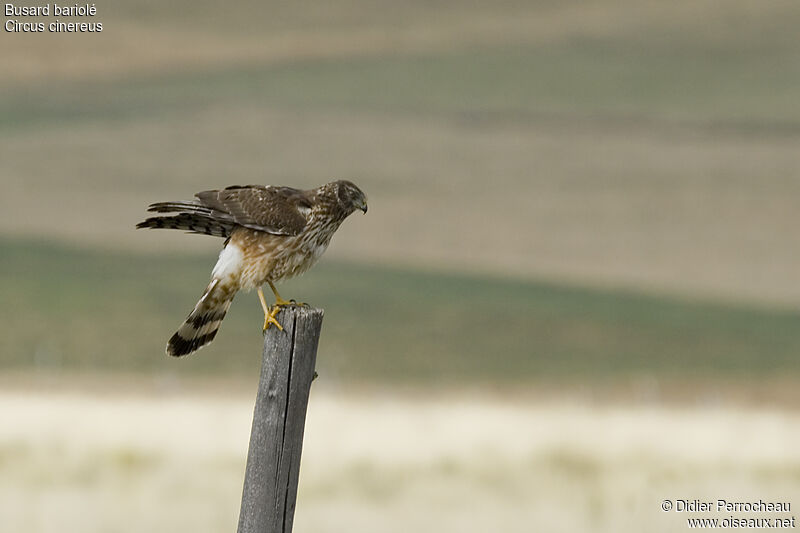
{"x":271,"y":234}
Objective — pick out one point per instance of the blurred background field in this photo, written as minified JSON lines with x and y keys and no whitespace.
{"x":582,"y":210}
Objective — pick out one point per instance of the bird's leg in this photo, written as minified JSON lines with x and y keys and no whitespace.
{"x":278,"y":300}
{"x":269,"y":314}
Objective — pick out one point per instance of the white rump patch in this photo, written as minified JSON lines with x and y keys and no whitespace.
{"x":229,"y":262}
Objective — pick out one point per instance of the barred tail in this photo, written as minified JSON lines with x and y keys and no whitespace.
{"x":193,"y":223}
{"x":202,"y":324}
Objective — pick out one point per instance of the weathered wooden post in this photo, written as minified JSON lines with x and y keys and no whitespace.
{"x":276,"y":439}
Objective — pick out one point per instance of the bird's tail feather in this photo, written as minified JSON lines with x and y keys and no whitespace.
{"x":191,"y":222}
{"x":202,"y":324}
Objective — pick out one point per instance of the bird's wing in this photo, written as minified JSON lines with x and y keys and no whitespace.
{"x":276,"y":210}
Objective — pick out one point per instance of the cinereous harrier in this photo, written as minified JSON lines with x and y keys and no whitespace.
{"x":271,"y":234}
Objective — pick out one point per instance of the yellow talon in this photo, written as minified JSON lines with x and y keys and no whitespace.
{"x":271,"y":312}
{"x":269,"y":318}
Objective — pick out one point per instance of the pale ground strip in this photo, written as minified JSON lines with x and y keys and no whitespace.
{"x":119,"y":462}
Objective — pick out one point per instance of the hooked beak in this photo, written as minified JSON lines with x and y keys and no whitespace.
{"x":364,"y":208}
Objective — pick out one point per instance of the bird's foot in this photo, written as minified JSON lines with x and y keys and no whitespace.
{"x":269,"y":318}
{"x":282,"y":303}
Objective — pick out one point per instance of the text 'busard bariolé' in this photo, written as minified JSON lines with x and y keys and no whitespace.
{"x":20,"y":18}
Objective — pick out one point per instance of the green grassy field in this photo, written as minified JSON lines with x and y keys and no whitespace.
{"x":72,"y":309}
{"x":589,"y":79}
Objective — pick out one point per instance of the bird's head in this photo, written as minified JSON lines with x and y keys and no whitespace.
{"x":349,"y":196}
